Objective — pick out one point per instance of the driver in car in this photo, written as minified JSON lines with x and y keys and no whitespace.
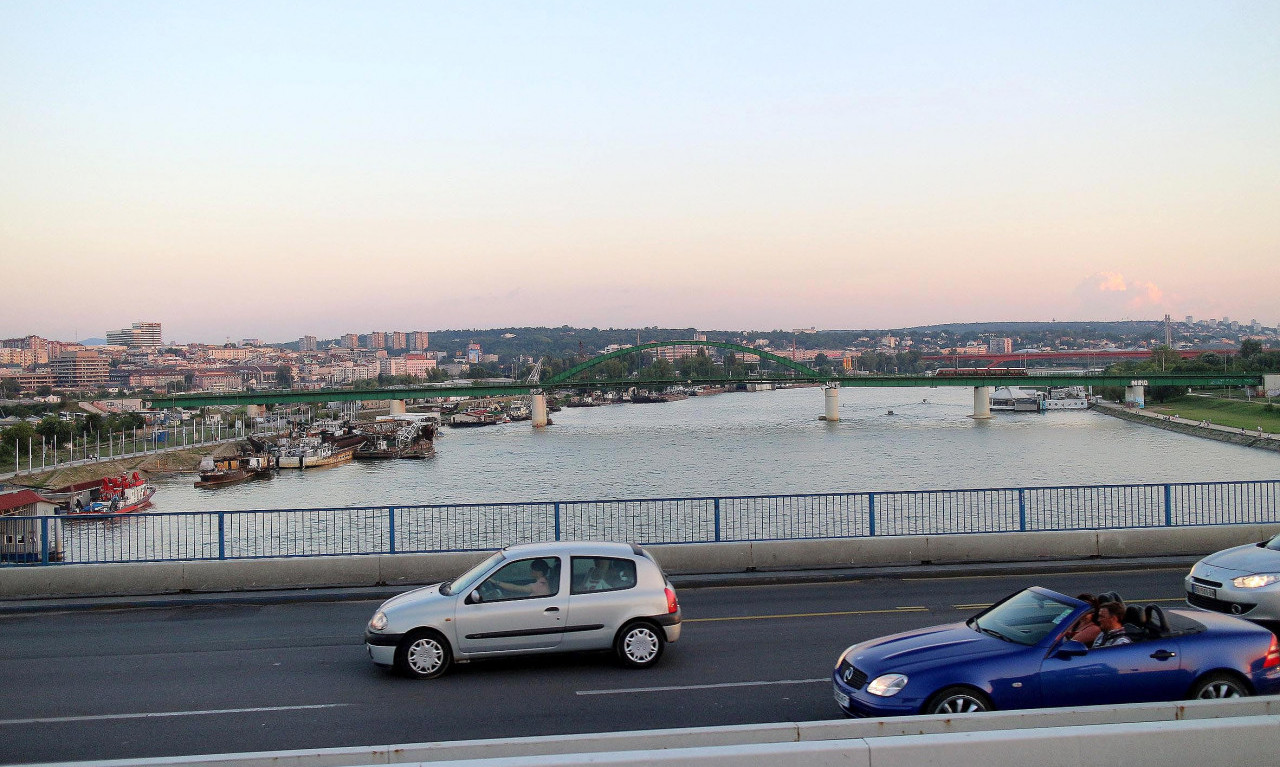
{"x":1111,"y":620}
{"x":540,"y":587}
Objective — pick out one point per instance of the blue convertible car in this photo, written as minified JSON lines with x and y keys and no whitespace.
{"x":1014,"y":655}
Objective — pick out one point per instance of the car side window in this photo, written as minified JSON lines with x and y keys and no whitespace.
{"x":522,"y":579}
{"x":594,"y":574}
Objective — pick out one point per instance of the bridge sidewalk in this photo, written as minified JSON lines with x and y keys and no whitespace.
{"x":706,"y":580}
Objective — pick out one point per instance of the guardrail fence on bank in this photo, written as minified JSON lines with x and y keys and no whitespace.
{"x":207,"y":535}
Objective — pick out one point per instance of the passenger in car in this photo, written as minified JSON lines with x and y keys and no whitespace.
{"x":1111,"y":621}
{"x":1086,"y":629}
{"x":597,"y":577}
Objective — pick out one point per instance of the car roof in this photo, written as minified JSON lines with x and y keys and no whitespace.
{"x":570,"y":548}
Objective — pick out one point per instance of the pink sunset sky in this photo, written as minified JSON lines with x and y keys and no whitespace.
{"x":269,"y":170}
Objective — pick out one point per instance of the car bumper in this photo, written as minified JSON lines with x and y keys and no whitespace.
{"x":382,"y":647}
{"x":860,"y":703}
{"x":1255,"y":604}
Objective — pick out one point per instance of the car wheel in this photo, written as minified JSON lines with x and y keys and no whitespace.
{"x":639,"y":645}
{"x":958,"y":700}
{"x":1216,"y":686}
{"x":423,"y":655}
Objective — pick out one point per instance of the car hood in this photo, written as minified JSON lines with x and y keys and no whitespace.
{"x":417,"y":595}
{"x":926,"y":647}
{"x":1247,"y":559}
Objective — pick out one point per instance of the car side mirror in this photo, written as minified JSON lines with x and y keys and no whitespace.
{"x":474,"y":597}
{"x":1072,"y":649}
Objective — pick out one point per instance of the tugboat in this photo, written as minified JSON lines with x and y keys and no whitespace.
{"x":116,"y":495}
{"x":216,"y":472}
{"x":398,"y":439}
{"x":311,"y":452}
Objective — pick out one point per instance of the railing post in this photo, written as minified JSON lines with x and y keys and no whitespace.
{"x":717,"y":520}
{"x":557,"y":508}
{"x":1168,"y":505}
{"x":1022,"y":509}
{"x":391,"y":525}
{"x":222,"y":535}
{"x":44,"y":540}
{"x":871,"y":514}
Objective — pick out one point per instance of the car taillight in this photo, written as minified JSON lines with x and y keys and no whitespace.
{"x":673,"y":605}
{"x":1273,"y":654}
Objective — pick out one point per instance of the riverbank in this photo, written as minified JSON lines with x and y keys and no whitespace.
{"x":1233,"y":414}
{"x":1201,"y":428}
{"x":175,"y":462}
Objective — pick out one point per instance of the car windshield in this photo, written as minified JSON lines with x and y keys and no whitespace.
{"x":1025,"y":618}
{"x":467,"y":579}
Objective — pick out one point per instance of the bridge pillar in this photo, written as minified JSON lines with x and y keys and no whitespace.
{"x":539,"y":407}
{"x":981,"y":402}
{"x":396,"y":407}
{"x":832,"y":394}
{"x":1136,"y":394}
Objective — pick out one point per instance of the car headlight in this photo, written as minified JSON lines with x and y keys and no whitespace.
{"x":379,"y":621}
{"x":1255,"y":581}
{"x":887,"y":685}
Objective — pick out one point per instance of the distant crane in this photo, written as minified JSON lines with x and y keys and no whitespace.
{"x":536,"y":374}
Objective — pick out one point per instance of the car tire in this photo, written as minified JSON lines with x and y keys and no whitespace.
{"x":423,"y":654}
{"x":1219,"y":685}
{"x":639,"y":644}
{"x":958,"y":700}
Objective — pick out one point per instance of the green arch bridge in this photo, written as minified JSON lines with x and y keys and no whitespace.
{"x":791,"y":372}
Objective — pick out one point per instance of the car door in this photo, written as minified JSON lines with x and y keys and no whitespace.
{"x":509,"y":615}
{"x":1144,"y":671}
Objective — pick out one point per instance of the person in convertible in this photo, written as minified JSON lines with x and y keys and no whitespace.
{"x":1111,"y":621}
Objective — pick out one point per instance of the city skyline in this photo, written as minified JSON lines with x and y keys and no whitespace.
{"x":281,"y":170}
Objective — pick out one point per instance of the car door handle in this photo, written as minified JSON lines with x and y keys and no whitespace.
{"x":557,"y":609}
{"x":1163,"y":654}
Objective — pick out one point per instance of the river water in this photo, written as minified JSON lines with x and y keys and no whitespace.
{"x":760,"y":443}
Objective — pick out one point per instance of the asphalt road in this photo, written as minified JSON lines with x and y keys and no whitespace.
{"x":193,"y":679}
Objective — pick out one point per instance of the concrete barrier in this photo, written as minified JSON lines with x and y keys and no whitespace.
{"x":407,"y":570}
{"x":1212,"y":732}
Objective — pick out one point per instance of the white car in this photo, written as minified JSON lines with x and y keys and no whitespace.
{"x":1244,"y":581}
{"x":532,"y":598}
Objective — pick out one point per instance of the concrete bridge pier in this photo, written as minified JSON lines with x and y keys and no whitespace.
{"x":1135,"y":394}
{"x":396,"y":407}
{"x":981,"y":402}
{"x":539,"y":407}
{"x":831,"y":392}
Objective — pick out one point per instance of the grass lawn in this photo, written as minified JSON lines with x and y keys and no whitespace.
{"x":1223,"y":412}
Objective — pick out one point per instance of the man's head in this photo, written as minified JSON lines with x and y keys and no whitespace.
{"x":539,"y":567}
{"x":1111,"y":616}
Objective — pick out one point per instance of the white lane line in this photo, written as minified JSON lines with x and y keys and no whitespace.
{"x":672,"y":688}
{"x":150,"y":715}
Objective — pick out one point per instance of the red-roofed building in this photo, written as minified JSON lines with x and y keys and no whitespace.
{"x":21,"y":540}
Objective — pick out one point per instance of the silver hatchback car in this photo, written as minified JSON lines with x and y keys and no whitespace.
{"x":532,"y":598}
{"x":1243,"y":580}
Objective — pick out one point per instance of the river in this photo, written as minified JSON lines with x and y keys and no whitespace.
{"x":760,"y":443}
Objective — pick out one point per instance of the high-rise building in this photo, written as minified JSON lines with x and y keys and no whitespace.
{"x":144,"y":335}
{"x":473,"y":354}
{"x":1001,"y":346}
{"x":307,"y":343}
{"x":398,"y":340}
{"x":350,"y":341}
{"x":377,"y":340}
{"x":81,"y":370}
{"x":418,"y":341}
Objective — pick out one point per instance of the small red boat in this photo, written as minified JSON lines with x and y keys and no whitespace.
{"x":115,"y":495}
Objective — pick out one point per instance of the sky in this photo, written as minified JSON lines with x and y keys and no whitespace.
{"x":273,"y":169}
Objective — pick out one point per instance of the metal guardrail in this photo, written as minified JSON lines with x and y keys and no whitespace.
{"x":184,"y":536}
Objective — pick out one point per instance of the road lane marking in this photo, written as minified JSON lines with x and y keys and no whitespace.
{"x":1169,"y":568}
{"x":156,"y":714}
{"x":912,"y":609}
{"x":701,"y":686}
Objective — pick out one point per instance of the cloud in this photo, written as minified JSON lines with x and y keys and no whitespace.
{"x":1110,"y":296}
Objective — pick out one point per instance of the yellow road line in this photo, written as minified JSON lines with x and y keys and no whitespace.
{"x":913,"y":609}
{"x":1051,"y":575}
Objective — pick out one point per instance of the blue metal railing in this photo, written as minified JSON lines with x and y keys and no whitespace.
{"x":467,"y":527}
